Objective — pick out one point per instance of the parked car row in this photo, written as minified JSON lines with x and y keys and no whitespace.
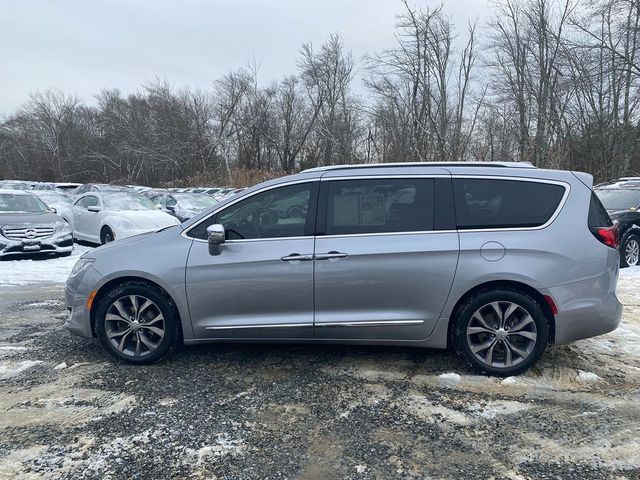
{"x":621,"y":198}
{"x":28,"y":225}
{"x":77,"y":189}
{"x":47,"y":216}
{"x":47,"y":221}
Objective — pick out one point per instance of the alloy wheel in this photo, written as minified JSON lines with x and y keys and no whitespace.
{"x":501,"y":334}
{"x":134,"y":325}
{"x":632,"y":252}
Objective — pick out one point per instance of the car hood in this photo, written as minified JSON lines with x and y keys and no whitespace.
{"x":144,"y":218}
{"x":128,"y":241}
{"x":28,"y":218}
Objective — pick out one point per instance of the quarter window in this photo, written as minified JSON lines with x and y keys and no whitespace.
{"x":379,"y":206}
{"x":493,"y":203}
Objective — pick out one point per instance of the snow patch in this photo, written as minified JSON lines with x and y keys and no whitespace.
{"x":587,"y":377}
{"x":43,"y":270}
{"x":449,"y":379}
{"x":50,"y":303}
{"x":13,"y":369}
{"x":491,"y":410}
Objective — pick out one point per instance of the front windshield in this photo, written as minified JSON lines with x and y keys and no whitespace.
{"x":619,"y":199}
{"x":195,"y":202}
{"x":127,"y":201}
{"x":11,"y":203}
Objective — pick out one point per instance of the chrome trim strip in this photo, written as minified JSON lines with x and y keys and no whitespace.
{"x":273,"y":325}
{"x":384,"y":234}
{"x":566,"y":186}
{"x":374,"y":323}
{"x":390,"y":176}
{"x":563,"y":200}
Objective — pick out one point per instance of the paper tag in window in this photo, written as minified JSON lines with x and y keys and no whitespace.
{"x":345,"y":210}
{"x":372,"y":209}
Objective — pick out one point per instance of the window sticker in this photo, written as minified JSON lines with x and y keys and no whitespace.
{"x":372,"y":209}
{"x":345,"y":210}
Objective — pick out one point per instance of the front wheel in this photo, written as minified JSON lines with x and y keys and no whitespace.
{"x":500,"y":332}
{"x":630,"y":251}
{"x":137,"y":323}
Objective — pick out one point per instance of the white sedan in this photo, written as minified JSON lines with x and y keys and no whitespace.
{"x":102,"y":217}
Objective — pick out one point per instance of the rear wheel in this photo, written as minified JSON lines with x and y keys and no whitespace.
{"x":137,"y":323}
{"x":630,"y":251}
{"x":500,"y":332}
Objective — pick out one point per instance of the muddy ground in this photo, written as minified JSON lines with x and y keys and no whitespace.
{"x":251,"y":411}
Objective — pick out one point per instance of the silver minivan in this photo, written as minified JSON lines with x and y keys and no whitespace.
{"x":494,"y":260}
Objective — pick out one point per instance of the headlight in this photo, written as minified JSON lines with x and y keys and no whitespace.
{"x":62,"y":227}
{"x":80,"y":266}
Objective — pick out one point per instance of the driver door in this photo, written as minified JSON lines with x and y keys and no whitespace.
{"x":261,"y":283}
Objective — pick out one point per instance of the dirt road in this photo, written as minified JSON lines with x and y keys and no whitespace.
{"x":247,"y":411}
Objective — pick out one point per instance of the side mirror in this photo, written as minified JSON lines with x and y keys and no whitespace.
{"x":53,"y":210}
{"x":216,"y":237}
{"x":93,"y":209}
{"x":171,"y":208}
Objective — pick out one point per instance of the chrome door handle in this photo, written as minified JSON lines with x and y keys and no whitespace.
{"x":296,"y":257}
{"x":330,"y":255}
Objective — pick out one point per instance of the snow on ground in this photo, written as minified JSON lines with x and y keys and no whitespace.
{"x":45,"y":269}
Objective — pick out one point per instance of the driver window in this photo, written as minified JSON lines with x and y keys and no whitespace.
{"x":86,"y":202}
{"x":276,"y":213}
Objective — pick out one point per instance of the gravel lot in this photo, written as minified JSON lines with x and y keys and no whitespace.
{"x":256,"y":411}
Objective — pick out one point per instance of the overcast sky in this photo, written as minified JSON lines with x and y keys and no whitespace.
{"x":82,"y":46}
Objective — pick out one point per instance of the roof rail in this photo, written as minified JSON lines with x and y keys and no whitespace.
{"x":423,"y":164}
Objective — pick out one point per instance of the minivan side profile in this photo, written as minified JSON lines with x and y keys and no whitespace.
{"x":495,"y":260}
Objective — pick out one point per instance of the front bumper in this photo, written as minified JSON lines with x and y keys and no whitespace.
{"x":57,"y":244}
{"x":77,"y":292}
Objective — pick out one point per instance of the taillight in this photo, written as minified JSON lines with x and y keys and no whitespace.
{"x":607,"y":235}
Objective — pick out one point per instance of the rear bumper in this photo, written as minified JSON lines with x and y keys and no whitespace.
{"x":586,"y":309}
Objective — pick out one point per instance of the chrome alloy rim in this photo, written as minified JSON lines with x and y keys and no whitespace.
{"x":501,"y":334}
{"x":632,"y":252}
{"x":134,"y":325}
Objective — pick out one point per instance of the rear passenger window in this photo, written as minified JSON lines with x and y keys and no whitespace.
{"x":488,"y":203}
{"x":379,"y":206}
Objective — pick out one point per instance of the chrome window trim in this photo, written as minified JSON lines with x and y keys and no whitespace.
{"x":185,"y":233}
{"x":563,"y":200}
{"x":385,"y":234}
{"x":390,"y":176}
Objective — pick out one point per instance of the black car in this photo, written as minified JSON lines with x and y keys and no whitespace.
{"x":622,"y":201}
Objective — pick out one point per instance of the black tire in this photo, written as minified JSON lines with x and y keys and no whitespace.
{"x":629,"y":240}
{"x":106,"y":235}
{"x":461,"y":340}
{"x":65,"y":254}
{"x":169,"y":342}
